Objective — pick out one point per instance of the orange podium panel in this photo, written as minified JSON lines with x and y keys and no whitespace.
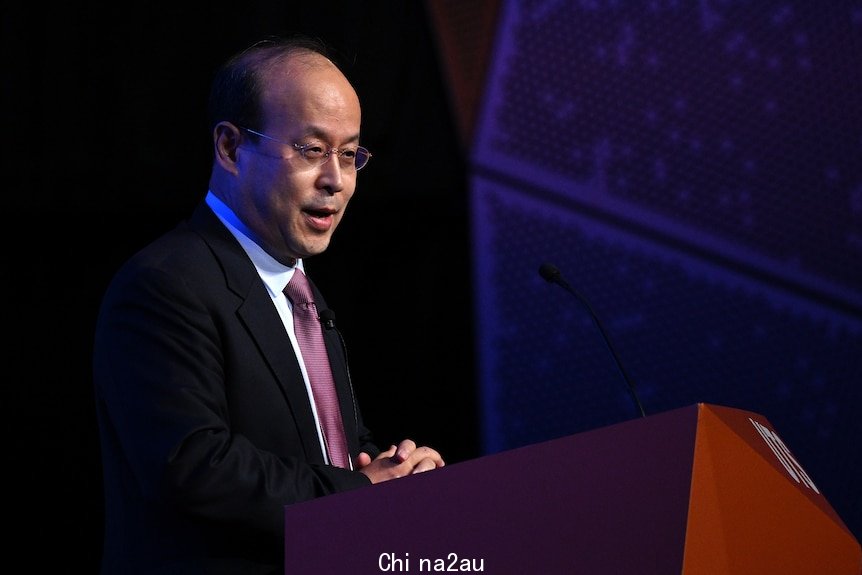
{"x":753,"y":508}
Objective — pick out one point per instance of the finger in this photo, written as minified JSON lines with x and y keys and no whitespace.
{"x":422,"y":453}
{"x":362,"y":460}
{"x":405,"y":449}
{"x":426,"y":464}
{"x":388,"y":454}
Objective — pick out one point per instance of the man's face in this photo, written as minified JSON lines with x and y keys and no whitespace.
{"x":292,"y":205}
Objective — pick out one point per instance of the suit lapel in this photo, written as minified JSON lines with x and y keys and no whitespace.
{"x":263,"y":323}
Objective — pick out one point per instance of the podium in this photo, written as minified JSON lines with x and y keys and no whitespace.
{"x":703,"y":489}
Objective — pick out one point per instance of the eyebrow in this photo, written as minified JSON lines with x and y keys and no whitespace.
{"x":316,"y":132}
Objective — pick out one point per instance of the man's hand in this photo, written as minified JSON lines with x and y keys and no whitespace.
{"x":399,"y":460}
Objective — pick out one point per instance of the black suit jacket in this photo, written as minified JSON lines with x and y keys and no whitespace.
{"x":206,"y":428}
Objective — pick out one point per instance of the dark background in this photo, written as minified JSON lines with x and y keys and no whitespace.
{"x":470,"y":189}
{"x":108,"y":147}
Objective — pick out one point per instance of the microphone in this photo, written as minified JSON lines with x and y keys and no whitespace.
{"x":327,"y":318}
{"x":552,"y":275}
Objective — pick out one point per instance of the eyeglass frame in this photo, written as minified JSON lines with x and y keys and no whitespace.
{"x":301,"y":148}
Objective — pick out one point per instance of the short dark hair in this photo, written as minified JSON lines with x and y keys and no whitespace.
{"x":237,"y":85}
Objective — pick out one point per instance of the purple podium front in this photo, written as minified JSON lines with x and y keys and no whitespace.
{"x":697,"y":490}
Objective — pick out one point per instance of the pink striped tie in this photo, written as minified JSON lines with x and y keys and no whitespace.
{"x":309,"y":333}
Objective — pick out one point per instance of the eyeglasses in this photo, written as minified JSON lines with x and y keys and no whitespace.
{"x":317,"y":153}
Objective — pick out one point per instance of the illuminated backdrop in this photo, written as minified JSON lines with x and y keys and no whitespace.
{"x":694,"y":169}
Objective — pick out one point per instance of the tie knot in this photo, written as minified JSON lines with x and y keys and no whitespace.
{"x":298,"y":289}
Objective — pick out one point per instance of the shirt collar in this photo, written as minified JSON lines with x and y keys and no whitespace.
{"x":274,"y":274}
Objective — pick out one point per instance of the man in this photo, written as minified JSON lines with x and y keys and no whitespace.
{"x":209,"y":419}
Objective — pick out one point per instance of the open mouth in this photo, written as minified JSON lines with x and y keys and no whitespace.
{"x":322,"y":213}
{"x":320,"y":219}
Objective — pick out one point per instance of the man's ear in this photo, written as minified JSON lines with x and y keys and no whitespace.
{"x":226,"y":140}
